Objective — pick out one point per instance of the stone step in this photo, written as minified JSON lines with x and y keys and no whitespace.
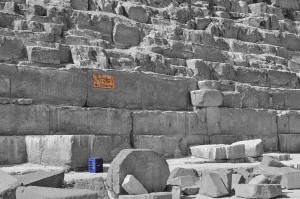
{"x":239,"y":95}
{"x":96,"y":88}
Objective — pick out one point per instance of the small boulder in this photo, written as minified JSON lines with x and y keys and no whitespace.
{"x":132,"y":186}
{"x":212,"y":185}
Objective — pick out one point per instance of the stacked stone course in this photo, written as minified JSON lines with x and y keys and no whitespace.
{"x":185,"y":73}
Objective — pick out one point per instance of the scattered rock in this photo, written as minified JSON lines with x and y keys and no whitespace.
{"x":271,"y":162}
{"x":153,"y":176}
{"x":132,"y":186}
{"x":257,"y":190}
{"x":213,"y":186}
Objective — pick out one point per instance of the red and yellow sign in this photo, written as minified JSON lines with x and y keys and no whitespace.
{"x":103,"y":81}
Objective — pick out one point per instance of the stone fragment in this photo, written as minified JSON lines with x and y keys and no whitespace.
{"x":237,"y":179}
{"x":226,"y":176}
{"x":182,"y":181}
{"x":258,"y":190}
{"x":156,"y":195}
{"x":206,"y":98}
{"x":153,"y":176}
{"x":8,"y":185}
{"x":193,"y":190}
{"x":183,"y":172}
{"x":212,"y":152}
{"x":132,"y":186}
{"x":33,"y":192}
{"x":236,"y":151}
{"x":232,"y":99}
{"x":266,"y":179}
{"x":271,"y":162}
{"x":212,"y":185}
{"x":253,"y":148}
{"x":43,"y":55}
{"x":53,"y":179}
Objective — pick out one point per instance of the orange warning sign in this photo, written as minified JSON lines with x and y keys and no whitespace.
{"x":103,"y":81}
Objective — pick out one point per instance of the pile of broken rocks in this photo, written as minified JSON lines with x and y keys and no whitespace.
{"x":143,"y":174}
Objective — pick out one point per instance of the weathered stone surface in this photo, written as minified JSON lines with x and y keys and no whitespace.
{"x":134,"y":90}
{"x":43,"y":55}
{"x":8,"y":185}
{"x":98,"y":121}
{"x":12,"y":150}
{"x":132,"y":186}
{"x":156,"y":195}
{"x":206,"y":98}
{"x":49,"y":86}
{"x":213,"y":152}
{"x":266,"y":179}
{"x":126,"y":36}
{"x":11,"y":48}
{"x":253,"y":148}
{"x":167,"y":146}
{"x":212,"y":185}
{"x":73,"y":150}
{"x":257,"y":190}
{"x":169,"y":123}
{"x":184,"y":172}
{"x":226,"y":176}
{"x":199,"y":68}
{"x":235,"y":151}
{"x":32,"y":192}
{"x":136,"y":12}
{"x":237,"y":179}
{"x":153,"y":176}
{"x":271,"y":162}
{"x":23,"y":120}
{"x":232,"y":99}
{"x":53,"y":179}
{"x":241,"y":121}
{"x":279,"y":156}
{"x":80,"y":4}
{"x":182,"y":181}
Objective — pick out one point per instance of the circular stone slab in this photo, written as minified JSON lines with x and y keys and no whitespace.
{"x":147,"y":166}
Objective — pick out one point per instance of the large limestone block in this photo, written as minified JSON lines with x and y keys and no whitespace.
{"x":136,"y":12}
{"x":253,"y":148}
{"x":73,"y":150}
{"x":50,"y":86}
{"x":53,"y":179}
{"x":167,"y":146}
{"x":22,"y":120}
{"x":33,"y":192}
{"x":12,"y":150}
{"x":289,"y":143}
{"x":134,"y":90}
{"x":213,"y":186}
{"x":208,"y":53}
{"x":98,"y":121}
{"x":43,"y":55}
{"x":8,"y":186}
{"x":252,"y":76}
{"x":88,"y":56}
{"x":80,"y":4}
{"x":153,"y":176}
{"x":257,"y":190}
{"x":11,"y":48}
{"x":125,"y":35}
{"x":132,"y":186}
{"x":207,"y":98}
{"x":236,"y":151}
{"x":169,"y":123}
{"x":199,"y":68}
{"x":213,"y":152}
{"x":241,"y":121}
